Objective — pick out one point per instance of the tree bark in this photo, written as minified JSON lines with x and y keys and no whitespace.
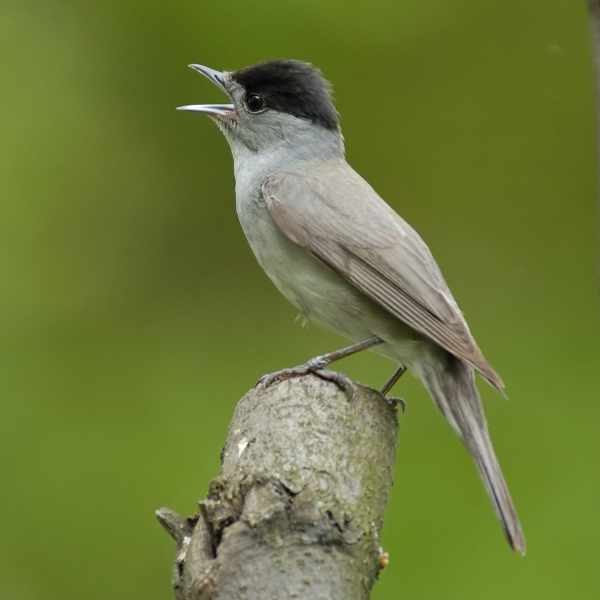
{"x":297,"y":508}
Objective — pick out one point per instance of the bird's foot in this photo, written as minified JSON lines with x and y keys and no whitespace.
{"x":316,"y":367}
{"x":395,"y":402}
{"x":268,"y":379}
{"x":342,"y":381}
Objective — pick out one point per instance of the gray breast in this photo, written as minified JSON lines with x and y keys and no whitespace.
{"x":317,"y":291}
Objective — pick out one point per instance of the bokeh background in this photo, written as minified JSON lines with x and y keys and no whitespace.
{"x":133,"y":315}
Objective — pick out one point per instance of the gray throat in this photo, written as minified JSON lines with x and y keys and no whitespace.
{"x":298,"y":146}
{"x":279,"y":257}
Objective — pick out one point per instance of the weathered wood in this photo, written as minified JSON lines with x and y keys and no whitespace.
{"x":298,"y":506}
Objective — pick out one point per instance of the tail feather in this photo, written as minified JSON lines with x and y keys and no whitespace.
{"x":452,"y":386}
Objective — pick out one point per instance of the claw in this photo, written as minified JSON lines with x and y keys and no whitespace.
{"x":396,"y":402}
{"x":342,"y":381}
{"x":315,"y":367}
{"x":270,"y":378}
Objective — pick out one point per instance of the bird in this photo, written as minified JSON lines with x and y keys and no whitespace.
{"x":343,"y":257}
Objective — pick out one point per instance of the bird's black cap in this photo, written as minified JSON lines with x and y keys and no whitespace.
{"x":293,"y":87}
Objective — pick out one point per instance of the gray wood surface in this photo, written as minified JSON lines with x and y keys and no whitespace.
{"x":297,"y":508}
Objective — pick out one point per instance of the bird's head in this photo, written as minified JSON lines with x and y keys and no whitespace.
{"x":275,"y":103}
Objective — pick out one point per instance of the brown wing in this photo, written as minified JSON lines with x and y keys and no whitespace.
{"x":334,"y":213}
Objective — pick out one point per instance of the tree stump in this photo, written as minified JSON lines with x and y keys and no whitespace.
{"x":297,"y":508}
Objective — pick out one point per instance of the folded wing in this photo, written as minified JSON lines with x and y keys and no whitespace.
{"x":334,"y":213}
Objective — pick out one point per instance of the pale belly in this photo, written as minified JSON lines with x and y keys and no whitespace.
{"x":322,"y":295}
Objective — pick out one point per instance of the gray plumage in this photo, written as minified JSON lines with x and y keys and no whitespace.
{"x":342,"y":256}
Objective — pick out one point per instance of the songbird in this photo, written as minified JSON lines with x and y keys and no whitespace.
{"x":344,"y":257}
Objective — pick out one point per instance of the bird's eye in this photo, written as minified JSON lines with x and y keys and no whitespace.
{"x":255,"y":103}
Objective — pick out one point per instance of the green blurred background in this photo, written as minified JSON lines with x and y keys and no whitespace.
{"x":133,"y":315}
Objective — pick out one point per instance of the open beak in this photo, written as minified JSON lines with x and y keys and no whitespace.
{"x":217,"y":110}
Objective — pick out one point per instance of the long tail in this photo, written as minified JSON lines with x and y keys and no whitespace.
{"x":452,"y":386}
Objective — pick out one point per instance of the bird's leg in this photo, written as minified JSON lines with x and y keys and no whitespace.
{"x":317,"y":366}
{"x":324,"y":360}
{"x":391,"y":382}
